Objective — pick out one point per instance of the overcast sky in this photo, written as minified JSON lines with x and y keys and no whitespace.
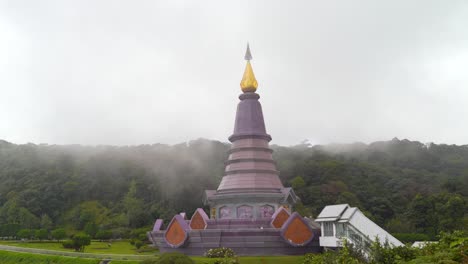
{"x":143,"y":72}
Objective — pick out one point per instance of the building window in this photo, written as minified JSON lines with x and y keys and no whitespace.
{"x":340,"y":230}
{"x":327,"y":229}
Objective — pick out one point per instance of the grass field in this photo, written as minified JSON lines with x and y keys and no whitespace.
{"x":242,"y":260}
{"x":119,"y":247}
{"x":27,"y":258}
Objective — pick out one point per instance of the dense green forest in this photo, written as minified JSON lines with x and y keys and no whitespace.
{"x":405,"y":186}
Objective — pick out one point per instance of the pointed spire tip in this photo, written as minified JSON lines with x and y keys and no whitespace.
{"x":248,"y":55}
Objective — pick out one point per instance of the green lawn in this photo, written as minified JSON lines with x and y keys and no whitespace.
{"x":118,"y":247}
{"x":242,"y":260}
{"x":27,"y":258}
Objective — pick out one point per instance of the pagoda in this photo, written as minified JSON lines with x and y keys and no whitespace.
{"x":250,"y":188}
{"x":250,"y":211}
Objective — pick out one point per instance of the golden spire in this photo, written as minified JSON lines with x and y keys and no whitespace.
{"x":248,"y":83}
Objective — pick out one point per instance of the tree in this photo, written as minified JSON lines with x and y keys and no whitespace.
{"x":58,"y":234}
{"x":46,"y":222}
{"x":24,"y":234}
{"x":422,"y":214}
{"x":9,"y":230}
{"x":41,"y":234}
{"x":91,"y":229}
{"x":452,"y":212}
{"x":80,"y":241}
{"x":136,"y":214}
{"x":104,"y":234}
{"x":298,"y":183}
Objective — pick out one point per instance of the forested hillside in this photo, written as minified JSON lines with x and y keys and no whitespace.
{"x":405,"y":186}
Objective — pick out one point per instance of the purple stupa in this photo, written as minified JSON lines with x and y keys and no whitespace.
{"x":250,"y":211}
{"x":250,"y":187}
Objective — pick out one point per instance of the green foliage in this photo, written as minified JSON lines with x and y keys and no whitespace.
{"x":298,"y":183}
{"x":411,"y":237}
{"x":78,"y":242}
{"x":437,"y":212}
{"x":329,"y":257}
{"x":9,"y":230}
{"x":58,"y":234}
{"x":41,"y":234}
{"x":91,"y":229}
{"x":134,"y":207}
{"x":451,"y":248}
{"x":137,"y":242}
{"x":124,"y":188}
{"x":381,"y":253}
{"x":104,"y":234}
{"x":302,"y":209}
{"x":68,"y":244}
{"x":46,"y":222}
{"x":25,"y":234}
{"x":222,"y":252}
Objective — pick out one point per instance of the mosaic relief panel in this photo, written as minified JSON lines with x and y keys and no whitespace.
{"x":280,"y":217}
{"x":266,"y":211}
{"x":198,"y":220}
{"x":244,"y":212}
{"x":224,"y":212}
{"x":176,"y":233}
{"x":296,"y":231}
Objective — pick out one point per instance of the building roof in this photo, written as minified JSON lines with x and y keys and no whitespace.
{"x":421,"y":244}
{"x":347,"y":214}
{"x":332,"y":212}
{"x":343,"y":213}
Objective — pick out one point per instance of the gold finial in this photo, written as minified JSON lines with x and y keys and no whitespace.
{"x":248,"y":83}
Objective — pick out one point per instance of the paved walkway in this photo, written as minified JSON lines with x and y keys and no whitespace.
{"x":74,"y":254}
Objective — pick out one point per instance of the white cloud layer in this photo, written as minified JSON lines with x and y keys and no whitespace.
{"x":141,"y":72}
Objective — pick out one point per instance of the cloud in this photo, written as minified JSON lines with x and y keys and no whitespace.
{"x":120,"y":72}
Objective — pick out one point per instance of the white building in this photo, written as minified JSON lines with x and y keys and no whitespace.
{"x":340,"y":222}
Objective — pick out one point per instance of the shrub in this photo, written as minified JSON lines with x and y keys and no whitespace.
{"x":120,"y":232}
{"x":58,"y":234}
{"x":104,"y":235}
{"x":220,"y":253}
{"x":78,"y":242}
{"x":139,"y":233}
{"x":68,"y":244}
{"x":41,"y":234}
{"x":24,"y":234}
{"x":138,"y":244}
